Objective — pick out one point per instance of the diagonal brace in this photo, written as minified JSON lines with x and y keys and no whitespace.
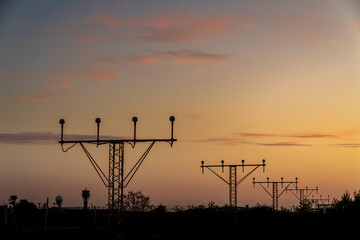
{"x":95,"y":165}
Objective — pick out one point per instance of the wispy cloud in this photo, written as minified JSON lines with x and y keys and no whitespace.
{"x":61,"y":86}
{"x":282,"y":144}
{"x":285,"y":140}
{"x":257,"y":135}
{"x":143,"y":72}
{"x":347,"y":145}
{"x":29,"y":138}
{"x":299,"y":135}
{"x":167,"y":26}
{"x":222,"y":140}
{"x":42,"y":138}
{"x":178,"y":58}
{"x":183,"y":27}
{"x":195,"y":116}
{"x":99,"y":78}
{"x":241,"y":141}
{"x":312,"y":135}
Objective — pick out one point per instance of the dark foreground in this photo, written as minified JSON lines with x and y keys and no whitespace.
{"x":210,"y":223}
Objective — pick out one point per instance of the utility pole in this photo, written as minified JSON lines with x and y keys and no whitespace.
{"x":275,"y":195}
{"x":302,"y":193}
{"x":116,"y":180}
{"x":233,"y":182}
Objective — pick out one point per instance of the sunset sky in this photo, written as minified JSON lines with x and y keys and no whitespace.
{"x":276,"y":80}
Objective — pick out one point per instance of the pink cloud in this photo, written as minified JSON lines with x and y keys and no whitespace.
{"x":195,"y":116}
{"x":184,"y":27}
{"x":175,"y":27}
{"x":178,"y":58}
{"x":61,"y":86}
{"x":143,"y":59}
{"x":99,"y":78}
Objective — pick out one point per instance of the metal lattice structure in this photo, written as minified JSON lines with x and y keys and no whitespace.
{"x":116,"y":180}
{"x":116,"y":173}
{"x":321,"y":203}
{"x":232,"y":182}
{"x":302,"y":194}
{"x":275,"y":195}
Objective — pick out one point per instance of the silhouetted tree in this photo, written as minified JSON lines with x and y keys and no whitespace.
{"x":344,"y":203}
{"x":26,"y":211}
{"x":12,"y":200}
{"x":136,"y":202}
{"x":160,"y":209}
{"x":305,"y":207}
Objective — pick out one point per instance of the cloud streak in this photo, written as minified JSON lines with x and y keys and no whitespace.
{"x":61,"y":86}
{"x":41,"y":138}
{"x":240,"y":141}
{"x":178,"y":58}
{"x":281,"y":140}
{"x":99,"y":78}
{"x":300,"y":135}
{"x":171,"y":27}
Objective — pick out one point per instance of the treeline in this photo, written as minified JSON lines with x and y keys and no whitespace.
{"x":205,"y":221}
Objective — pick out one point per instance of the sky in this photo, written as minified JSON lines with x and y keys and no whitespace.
{"x":246,"y":80}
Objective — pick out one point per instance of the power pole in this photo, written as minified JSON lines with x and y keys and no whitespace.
{"x":233,"y":182}
{"x":116,"y":180}
{"x":275,"y":195}
{"x":302,"y":193}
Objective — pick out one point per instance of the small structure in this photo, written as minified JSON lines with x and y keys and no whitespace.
{"x":85,"y":196}
{"x":59,"y":200}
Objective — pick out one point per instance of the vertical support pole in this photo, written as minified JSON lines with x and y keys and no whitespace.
{"x":46,"y":214}
{"x":232,"y":186}
{"x":120,"y":222}
{"x":116,"y":172}
{"x":302,"y":196}
{"x":116,"y":186}
{"x":275,"y":196}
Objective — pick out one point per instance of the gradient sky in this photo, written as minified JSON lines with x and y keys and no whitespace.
{"x":276,"y":80}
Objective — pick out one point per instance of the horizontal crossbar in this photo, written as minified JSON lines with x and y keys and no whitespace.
{"x":101,"y":141}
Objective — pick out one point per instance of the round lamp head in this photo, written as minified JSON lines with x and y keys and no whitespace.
{"x":134,"y":119}
{"x":222,"y":161}
{"x":97,"y":120}
{"x":172,"y":118}
{"x":59,"y":199}
{"x":62,"y":121}
{"x":202,"y":162}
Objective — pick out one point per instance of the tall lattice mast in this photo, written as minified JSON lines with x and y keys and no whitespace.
{"x":302,"y":194}
{"x":233,"y":182}
{"x":116,"y":180}
{"x":275,"y":195}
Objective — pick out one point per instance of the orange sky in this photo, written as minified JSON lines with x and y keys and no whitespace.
{"x":244,"y":80}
